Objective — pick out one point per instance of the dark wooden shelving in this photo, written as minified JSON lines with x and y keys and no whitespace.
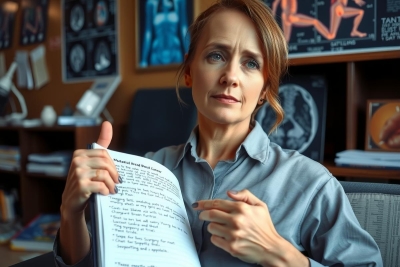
{"x":40,"y":193}
{"x":362,"y":172}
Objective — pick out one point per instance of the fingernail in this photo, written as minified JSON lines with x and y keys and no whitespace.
{"x":116,"y":189}
{"x":234,"y":192}
{"x":195,"y":205}
{"x":120,"y":179}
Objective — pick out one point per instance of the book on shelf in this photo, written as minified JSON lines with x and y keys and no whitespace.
{"x":9,"y":150}
{"x":9,"y":158}
{"x":61,"y":156}
{"x":54,"y":163}
{"x":38,"y":235}
{"x":8,"y":230}
{"x":368,"y":159}
{"x":8,"y":199}
{"x":145,"y":222}
{"x":47,"y":169}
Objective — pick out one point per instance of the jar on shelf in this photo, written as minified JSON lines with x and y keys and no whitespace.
{"x":48,"y":115}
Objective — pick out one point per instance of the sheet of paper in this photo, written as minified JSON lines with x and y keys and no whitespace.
{"x":145,"y":224}
{"x":39,"y":66}
{"x":24,"y":74}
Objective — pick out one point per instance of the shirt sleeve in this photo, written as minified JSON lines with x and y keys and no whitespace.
{"x":85,"y":262}
{"x":331,"y":233}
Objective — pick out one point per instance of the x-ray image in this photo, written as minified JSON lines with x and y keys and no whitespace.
{"x":163,"y":37}
{"x":303,"y":100}
{"x":90,"y":47}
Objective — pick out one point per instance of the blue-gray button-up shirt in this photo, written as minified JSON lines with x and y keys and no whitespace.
{"x":307,"y":204}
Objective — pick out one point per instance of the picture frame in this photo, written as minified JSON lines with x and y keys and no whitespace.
{"x":303,"y":98}
{"x":90,"y":43}
{"x":33,"y":21}
{"x":382,"y":125}
{"x":8,"y":12}
{"x":317,"y":28}
{"x":162,"y":36}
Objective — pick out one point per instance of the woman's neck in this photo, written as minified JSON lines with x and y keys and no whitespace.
{"x":219,"y":142}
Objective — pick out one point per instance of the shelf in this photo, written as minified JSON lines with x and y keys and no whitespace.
{"x":362,"y":173}
{"x":327,"y":59}
{"x":45,"y":176}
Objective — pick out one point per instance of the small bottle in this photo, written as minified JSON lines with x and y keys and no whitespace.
{"x":48,"y":115}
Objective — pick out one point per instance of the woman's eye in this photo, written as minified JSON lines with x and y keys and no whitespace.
{"x":215,"y":56}
{"x":252,"y":64}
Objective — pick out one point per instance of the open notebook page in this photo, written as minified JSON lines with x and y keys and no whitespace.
{"x":145,"y":223}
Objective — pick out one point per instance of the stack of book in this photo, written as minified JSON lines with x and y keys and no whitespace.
{"x":9,"y":158}
{"x":368,"y":159}
{"x":52,"y":164}
{"x":38,"y":235}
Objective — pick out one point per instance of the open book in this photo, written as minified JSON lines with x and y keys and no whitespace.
{"x":145,"y":223}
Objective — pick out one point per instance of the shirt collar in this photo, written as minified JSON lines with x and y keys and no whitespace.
{"x":256,"y":145}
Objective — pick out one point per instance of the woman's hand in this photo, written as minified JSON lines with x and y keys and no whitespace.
{"x":244,"y":228}
{"x":91,"y":171}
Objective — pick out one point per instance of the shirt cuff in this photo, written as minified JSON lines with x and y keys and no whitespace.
{"x":85,"y":262}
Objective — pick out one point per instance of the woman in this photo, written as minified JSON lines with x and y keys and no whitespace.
{"x":248,"y":201}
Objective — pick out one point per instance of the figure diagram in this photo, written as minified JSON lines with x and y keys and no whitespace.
{"x":164,"y":35}
{"x":338,"y":10}
{"x":38,"y":25}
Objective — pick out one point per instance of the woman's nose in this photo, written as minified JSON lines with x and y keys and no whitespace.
{"x":230,"y":75}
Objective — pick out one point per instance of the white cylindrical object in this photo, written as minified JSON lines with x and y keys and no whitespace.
{"x":48,"y":115}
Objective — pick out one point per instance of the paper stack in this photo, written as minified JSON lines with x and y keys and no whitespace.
{"x":368,"y":159}
{"x":52,"y":164}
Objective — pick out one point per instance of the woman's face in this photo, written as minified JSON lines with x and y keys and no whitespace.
{"x":226,"y":73}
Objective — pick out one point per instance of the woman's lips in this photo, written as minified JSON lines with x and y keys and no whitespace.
{"x":225,"y":98}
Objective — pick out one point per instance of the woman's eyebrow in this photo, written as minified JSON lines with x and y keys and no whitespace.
{"x":220,"y":46}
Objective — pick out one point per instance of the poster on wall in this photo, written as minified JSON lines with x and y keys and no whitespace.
{"x":332,"y":27}
{"x":162,"y":32}
{"x":33,"y":21}
{"x":303,"y":98}
{"x":90,"y":39}
{"x":7,"y":22}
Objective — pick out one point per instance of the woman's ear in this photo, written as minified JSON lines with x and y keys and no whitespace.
{"x":263,"y":95}
{"x":188,"y":80}
{"x":188,"y":77}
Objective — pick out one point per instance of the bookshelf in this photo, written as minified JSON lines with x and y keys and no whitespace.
{"x":352,"y":80}
{"x":40,"y":193}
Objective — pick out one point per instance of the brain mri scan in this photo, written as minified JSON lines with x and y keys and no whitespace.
{"x":300,"y":123}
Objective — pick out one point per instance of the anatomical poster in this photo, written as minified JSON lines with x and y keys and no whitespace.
{"x":33,"y":21}
{"x":90,"y":39}
{"x":331,"y":27}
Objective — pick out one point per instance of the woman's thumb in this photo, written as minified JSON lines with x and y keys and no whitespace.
{"x":245,"y":196}
{"x":106,"y":133}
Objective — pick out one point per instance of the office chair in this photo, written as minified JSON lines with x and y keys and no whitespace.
{"x":377,"y":208}
{"x":157,"y":119}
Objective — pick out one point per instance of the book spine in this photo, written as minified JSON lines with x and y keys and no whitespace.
{"x":93,"y":225}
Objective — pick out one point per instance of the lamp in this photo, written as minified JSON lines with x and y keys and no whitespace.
{"x":6,"y":85}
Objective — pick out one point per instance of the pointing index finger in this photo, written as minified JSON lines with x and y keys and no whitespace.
{"x":218,"y":204}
